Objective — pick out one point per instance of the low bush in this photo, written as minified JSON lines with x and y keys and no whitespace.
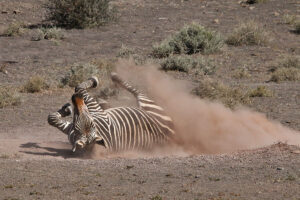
{"x":80,"y":13}
{"x":190,"y":39}
{"x":187,"y":63}
{"x":249,"y":33}
{"x":8,"y":97}
{"x":217,"y":91}
{"x":35,"y":84}
{"x":15,"y":28}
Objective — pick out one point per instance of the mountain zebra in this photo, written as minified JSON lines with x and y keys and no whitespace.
{"x":117,"y":129}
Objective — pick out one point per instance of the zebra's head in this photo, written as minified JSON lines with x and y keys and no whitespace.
{"x":84,"y":126}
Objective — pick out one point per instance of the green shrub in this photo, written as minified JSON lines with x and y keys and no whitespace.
{"x":79,"y":13}
{"x":8,"y":97}
{"x":15,"y":28}
{"x":261,"y":91}
{"x":216,"y":91}
{"x":35,"y":84}
{"x":189,"y":40}
{"x":249,"y":33}
{"x":186,"y":63}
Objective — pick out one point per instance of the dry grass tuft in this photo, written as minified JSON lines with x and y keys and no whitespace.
{"x":241,"y":73}
{"x":289,"y":19}
{"x":249,"y":33}
{"x":285,"y":74}
{"x":217,"y":91}
{"x":8,"y":97}
{"x":286,"y":69}
{"x":261,"y":91}
{"x":190,"y":39}
{"x":14,"y":29}
{"x":129,"y":53}
{"x":52,"y":33}
{"x":35,"y":84}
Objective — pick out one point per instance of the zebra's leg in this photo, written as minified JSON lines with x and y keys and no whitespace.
{"x":90,"y":102}
{"x":146,"y":104}
{"x":55,"y":120}
{"x":143,"y":101}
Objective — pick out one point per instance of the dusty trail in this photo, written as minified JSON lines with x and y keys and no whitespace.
{"x":207,"y":127}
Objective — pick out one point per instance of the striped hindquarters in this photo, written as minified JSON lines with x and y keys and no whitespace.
{"x":133,"y":128}
{"x":148,"y":105}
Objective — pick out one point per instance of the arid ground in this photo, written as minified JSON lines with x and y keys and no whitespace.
{"x":36,"y":161}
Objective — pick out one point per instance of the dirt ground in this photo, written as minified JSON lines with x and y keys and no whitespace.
{"x":36,"y":161}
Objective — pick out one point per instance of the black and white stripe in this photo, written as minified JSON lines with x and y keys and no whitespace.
{"x":120,"y":128}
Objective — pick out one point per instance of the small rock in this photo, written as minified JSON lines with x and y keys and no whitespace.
{"x":129,"y":166}
{"x":280,"y":168}
{"x":251,"y":7}
{"x":16,"y":12}
{"x":276,"y":14}
{"x":216,"y":21}
{"x":197,"y":176}
{"x":296,"y":151}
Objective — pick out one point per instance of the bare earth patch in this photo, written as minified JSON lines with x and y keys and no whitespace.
{"x":36,"y":161}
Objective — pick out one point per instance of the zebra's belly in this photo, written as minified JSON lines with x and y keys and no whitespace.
{"x":133,"y":128}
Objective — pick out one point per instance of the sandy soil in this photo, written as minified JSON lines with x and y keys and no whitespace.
{"x":36,"y":161}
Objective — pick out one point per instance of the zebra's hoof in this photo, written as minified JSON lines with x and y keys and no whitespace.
{"x":66,"y":110}
{"x":115,"y":77}
{"x":95,"y":81}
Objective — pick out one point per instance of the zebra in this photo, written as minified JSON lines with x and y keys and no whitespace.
{"x":118,"y":128}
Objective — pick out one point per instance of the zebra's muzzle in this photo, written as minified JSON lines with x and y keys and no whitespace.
{"x":78,"y":144}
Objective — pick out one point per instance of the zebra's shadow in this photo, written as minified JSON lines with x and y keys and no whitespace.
{"x":38,"y":150}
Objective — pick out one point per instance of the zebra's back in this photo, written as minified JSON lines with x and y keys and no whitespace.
{"x":133,"y":128}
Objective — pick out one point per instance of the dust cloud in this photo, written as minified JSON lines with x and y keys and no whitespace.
{"x":203,"y":127}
